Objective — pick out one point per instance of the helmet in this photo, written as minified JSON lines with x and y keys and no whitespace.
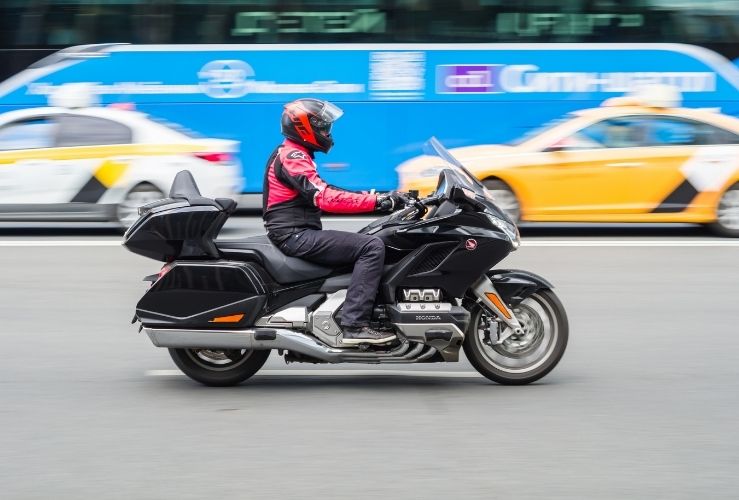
{"x":308,"y":122}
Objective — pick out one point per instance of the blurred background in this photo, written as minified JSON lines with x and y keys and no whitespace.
{"x":198,"y":84}
{"x":583,"y":117}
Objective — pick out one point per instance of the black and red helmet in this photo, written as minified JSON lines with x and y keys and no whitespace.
{"x":308,"y":122}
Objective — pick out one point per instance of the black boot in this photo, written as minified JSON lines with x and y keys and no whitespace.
{"x":366,"y":335}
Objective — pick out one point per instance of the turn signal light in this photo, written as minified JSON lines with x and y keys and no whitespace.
{"x":234,"y":318}
{"x":499,"y":304}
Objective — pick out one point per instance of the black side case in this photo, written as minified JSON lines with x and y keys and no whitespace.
{"x":204,"y":295}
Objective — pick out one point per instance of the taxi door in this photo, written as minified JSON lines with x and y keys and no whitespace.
{"x":611,"y":167}
{"x":26,"y":157}
{"x":36,"y":175}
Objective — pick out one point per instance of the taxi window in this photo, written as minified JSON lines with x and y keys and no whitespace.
{"x":722,"y":136}
{"x":78,"y":130}
{"x":674,"y":131}
{"x":33,"y":133}
{"x":620,"y":132}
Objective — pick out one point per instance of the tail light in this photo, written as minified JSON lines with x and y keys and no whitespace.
{"x":164,"y":270}
{"x":126,"y":106}
{"x":214,"y":157}
{"x":153,"y":278}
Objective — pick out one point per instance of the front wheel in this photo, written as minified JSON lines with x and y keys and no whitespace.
{"x":520,"y":359}
{"x":219,"y":368}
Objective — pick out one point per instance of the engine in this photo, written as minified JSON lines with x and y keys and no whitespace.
{"x":421,"y":294}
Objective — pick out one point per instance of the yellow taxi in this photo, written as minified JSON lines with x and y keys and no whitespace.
{"x":637,"y":158}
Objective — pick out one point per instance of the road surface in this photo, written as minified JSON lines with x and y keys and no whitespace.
{"x":644,"y":403}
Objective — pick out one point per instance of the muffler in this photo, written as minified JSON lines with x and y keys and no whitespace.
{"x":256,"y":338}
{"x":279,"y":338}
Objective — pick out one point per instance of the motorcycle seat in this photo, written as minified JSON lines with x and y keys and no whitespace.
{"x":282,"y":268}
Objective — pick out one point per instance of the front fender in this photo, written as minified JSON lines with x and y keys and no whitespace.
{"x":514,"y":285}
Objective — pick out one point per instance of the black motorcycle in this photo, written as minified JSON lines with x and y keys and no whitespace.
{"x":220,"y":307}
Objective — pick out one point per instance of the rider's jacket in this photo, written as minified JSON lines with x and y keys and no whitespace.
{"x":294,"y":194}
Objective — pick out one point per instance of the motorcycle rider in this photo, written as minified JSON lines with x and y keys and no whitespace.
{"x":294,"y":195}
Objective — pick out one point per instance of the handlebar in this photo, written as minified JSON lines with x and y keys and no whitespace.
{"x":411,"y":199}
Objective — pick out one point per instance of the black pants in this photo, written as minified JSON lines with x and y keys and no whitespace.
{"x":340,"y":248}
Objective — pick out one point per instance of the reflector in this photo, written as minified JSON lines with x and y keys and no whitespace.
{"x":234,"y":318}
{"x":499,"y":304}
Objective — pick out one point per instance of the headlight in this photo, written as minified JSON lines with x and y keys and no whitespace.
{"x":510,"y":230}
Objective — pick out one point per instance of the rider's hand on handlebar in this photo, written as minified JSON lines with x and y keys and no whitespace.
{"x":391,"y":201}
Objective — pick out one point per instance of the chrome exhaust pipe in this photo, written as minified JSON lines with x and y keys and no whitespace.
{"x":278,"y":338}
{"x":256,"y":338}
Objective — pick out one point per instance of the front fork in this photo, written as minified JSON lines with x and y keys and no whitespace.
{"x":488,"y":297}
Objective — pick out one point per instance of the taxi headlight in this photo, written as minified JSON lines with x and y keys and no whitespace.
{"x":510,"y":230}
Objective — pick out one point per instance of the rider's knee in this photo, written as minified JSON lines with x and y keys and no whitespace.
{"x":375,"y":246}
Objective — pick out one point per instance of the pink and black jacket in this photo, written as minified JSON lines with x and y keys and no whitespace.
{"x":294,"y":194}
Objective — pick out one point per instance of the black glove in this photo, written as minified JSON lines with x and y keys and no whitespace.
{"x":391,"y":201}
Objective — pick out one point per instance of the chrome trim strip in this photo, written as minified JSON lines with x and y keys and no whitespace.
{"x":291,"y":317}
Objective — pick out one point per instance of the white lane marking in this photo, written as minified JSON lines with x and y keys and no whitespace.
{"x":525,"y":243}
{"x":335,"y":373}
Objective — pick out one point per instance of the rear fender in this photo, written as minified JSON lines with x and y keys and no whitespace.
{"x":514,"y":285}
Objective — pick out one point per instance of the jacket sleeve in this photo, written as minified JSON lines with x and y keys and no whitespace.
{"x":299,"y":172}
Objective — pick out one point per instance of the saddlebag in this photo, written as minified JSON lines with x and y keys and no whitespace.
{"x":204,"y":295}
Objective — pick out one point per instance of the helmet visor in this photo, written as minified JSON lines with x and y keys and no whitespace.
{"x":330,"y":112}
{"x":325,"y":118}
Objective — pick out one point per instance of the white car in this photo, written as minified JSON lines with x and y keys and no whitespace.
{"x":101,"y":163}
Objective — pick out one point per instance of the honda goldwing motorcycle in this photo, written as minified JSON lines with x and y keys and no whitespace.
{"x":221,"y":307}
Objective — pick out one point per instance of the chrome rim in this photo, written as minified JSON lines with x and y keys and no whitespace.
{"x":528,"y":350}
{"x":128,"y":210}
{"x":728,"y":210}
{"x":218,"y":360}
{"x":507,"y":202}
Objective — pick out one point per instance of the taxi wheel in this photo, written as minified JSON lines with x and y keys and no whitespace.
{"x":727,"y":213}
{"x":128,"y":210}
{"x":505,"y":198}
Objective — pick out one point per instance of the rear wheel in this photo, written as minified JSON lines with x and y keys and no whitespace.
{"x":128,"y":210}
{"x":219,"y":368}
{"x":524,"y":358}
{"x":727,"y":213}
{"x":505,"y":198}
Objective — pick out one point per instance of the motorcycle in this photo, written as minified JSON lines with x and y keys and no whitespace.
{"x":221,"y":307}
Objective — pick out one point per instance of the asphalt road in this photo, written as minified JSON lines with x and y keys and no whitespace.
{"x":643,"y":405}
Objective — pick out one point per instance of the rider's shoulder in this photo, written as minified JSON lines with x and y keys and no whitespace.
{"x":293,"y":151}
{"x":296,"y":154}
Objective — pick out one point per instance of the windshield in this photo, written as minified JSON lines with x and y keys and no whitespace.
{"x":434,"y":148}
